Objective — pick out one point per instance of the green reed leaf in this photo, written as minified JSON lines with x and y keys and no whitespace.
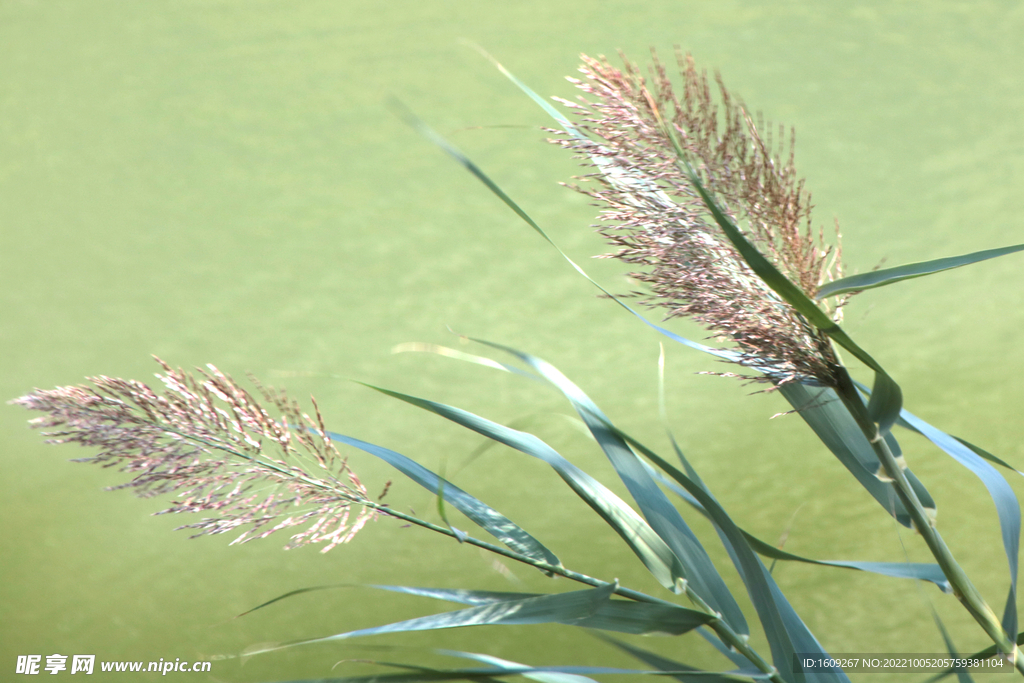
{"x":539,"y":675}
{"x":489,"y":519}
{"x":668,"y":666}
{"x":887,"y":276}
{"x":622,"y":616}
{"x":563,"y":608}
{"x":641,"y":538}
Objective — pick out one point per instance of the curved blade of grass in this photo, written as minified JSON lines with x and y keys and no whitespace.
{"x":988,"y":456}
{"x":826,"y":415}
{"x":489,"y":519}
{"x":541,"y":677}
{"x":989,"y":651}
{"x":454,"y":152}
{"x":437,"y":349}
{"x":978,"y":450}
{"x":544,"y":104}
{"x":641,"y":538}
{"x":887,"y":276}
{"x":418,"y":674}
{"x":666,"y":665}
{"x":463,"y":596}
{"x":622,"y":616}
{"x":962,"y":675}
{"x":887,"y":397}
{"x":663,"y":517}
{"x":562,"y":608}
{"x":644,"y":618}
{"x":460,"y":535}
{"x":293,"y":593}
{"x":922,"y":571}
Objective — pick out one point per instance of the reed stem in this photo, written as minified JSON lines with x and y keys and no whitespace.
{"x":963,"y":588}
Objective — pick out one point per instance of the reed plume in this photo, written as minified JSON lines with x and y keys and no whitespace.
{"x":651,"y":212}
{"x":216,"y":449}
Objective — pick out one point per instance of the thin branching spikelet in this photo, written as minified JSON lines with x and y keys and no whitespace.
{"x":216,"y":449}
{"x":652,"y":213}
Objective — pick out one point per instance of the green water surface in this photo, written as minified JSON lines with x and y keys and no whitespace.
{"x":223,"y":181}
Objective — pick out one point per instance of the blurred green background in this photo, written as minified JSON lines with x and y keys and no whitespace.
{"x":222,"y":181}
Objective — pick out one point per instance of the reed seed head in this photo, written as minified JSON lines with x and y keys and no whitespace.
{"x":215,"y":448}
{"x":653,"y":215}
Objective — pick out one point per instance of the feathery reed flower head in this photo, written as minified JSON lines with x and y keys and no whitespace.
{"x":659,"y":222}
{"x":211,"y":444}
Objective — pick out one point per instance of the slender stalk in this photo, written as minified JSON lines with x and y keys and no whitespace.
{"x":963,"y":588}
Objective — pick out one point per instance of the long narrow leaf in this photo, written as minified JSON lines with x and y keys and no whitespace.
{"x":922,"y":571}
{"x":622,"y":616}
{"x":563,"y":608}
{"x":541,"y":677}
{"x":977,"y":449}
{"x":962,"y":675}
{"x":641,"y":538}
{"x":666,"y":665}
{"x":544,"y":104}
{"x":887,"y":276}
{"x":454,"y":152}
{"x":293,"y":593}
{"x":489,"y":519}
{"x":419,"y":674}
{"x":988,"y":456}
{"x":460,"y":355}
